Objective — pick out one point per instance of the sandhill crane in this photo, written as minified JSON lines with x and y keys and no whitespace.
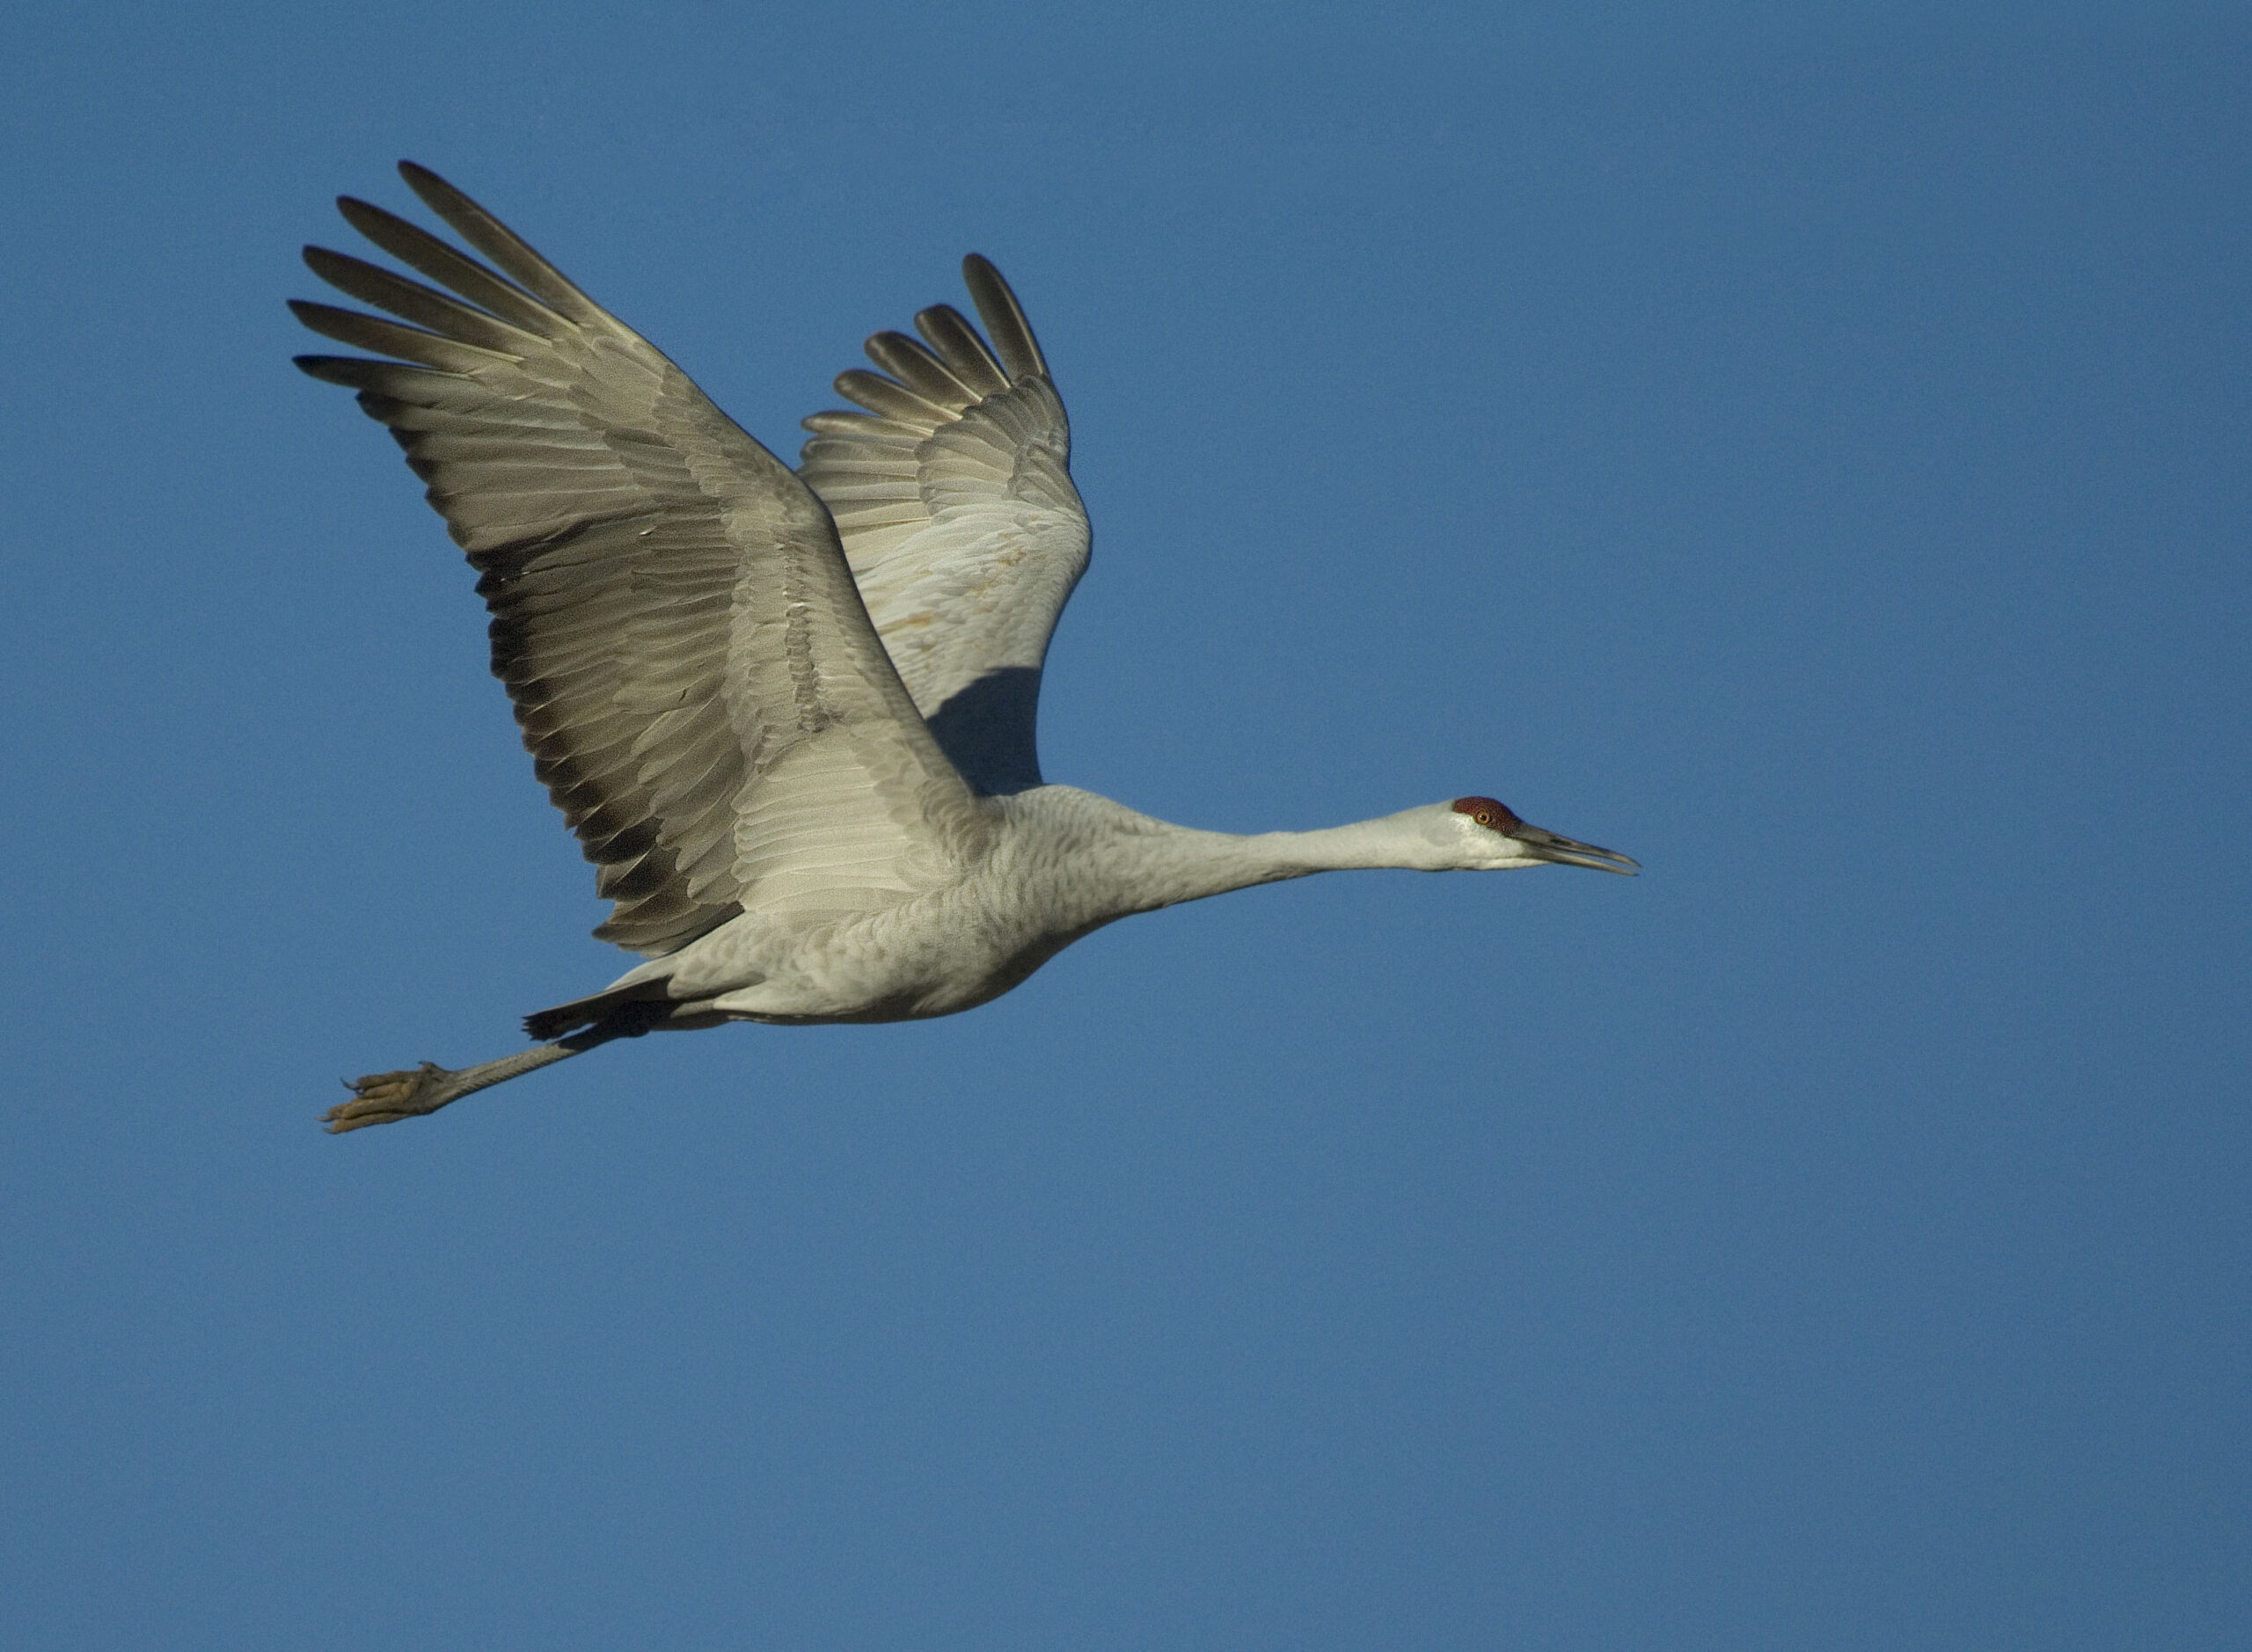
{"x":788,"y":714}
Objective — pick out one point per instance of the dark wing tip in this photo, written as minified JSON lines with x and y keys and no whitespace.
{"x":514,"y":256}
{"x":1004,"y":317}
{"x":351,"y":371}
{"x":437,"y":194}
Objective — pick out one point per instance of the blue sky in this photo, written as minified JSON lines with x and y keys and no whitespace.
{"x":1802,"y":447}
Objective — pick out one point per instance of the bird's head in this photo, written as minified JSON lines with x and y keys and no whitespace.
{"x":1492,"y":838}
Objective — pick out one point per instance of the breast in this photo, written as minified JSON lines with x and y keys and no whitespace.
{"x":933,"y":956}
{"x":1035,"y":890}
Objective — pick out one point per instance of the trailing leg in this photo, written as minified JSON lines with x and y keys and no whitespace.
{"x":386,"y":1097}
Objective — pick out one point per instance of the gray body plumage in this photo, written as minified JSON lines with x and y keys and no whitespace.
{"x":790,"y":716}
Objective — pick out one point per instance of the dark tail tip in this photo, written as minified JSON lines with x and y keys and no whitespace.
{"x":546,"y":1026}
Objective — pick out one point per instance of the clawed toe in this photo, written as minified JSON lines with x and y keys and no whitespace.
{"x":386,"y":1097}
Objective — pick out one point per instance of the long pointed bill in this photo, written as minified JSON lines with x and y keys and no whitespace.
{"x":1567,"y":852}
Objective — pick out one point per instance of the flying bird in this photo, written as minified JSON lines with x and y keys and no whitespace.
{"x":788,"y":714}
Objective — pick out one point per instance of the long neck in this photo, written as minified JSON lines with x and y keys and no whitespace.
{"x":1156,"y":864}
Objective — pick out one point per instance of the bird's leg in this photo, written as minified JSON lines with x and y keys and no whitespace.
{"x":386,"y":1097}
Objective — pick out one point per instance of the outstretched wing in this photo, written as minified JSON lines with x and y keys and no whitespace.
{"x":954,"y":496}
{"x":692,"y":668}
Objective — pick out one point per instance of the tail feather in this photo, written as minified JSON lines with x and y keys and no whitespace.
{"x":551,"y":1024}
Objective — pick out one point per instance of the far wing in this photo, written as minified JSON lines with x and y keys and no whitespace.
{"x":694,"y":672}
{"x":954,"y":496}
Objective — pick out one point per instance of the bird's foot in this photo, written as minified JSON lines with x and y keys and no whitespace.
{"x":386,"y":1097}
